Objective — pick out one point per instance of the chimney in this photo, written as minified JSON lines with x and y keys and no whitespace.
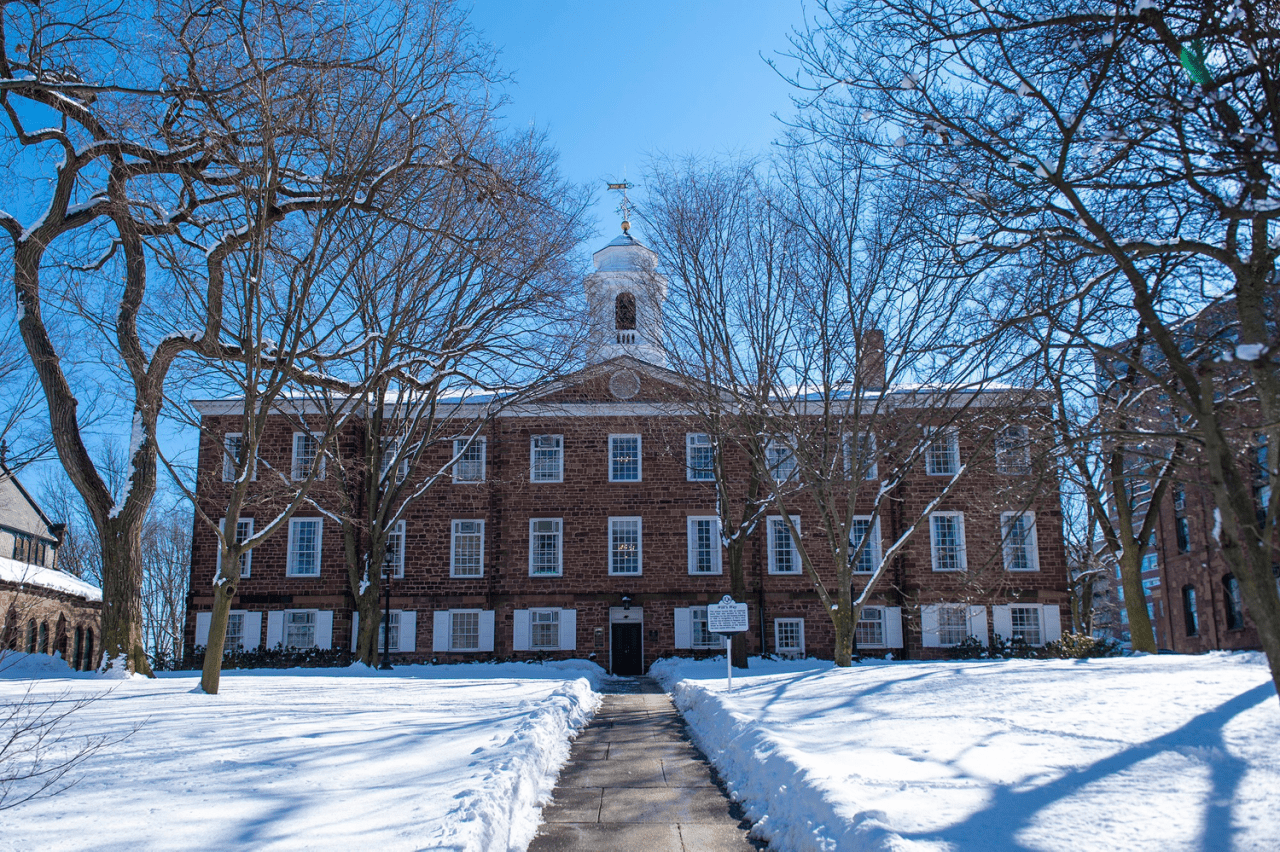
{"x":871,"y":375}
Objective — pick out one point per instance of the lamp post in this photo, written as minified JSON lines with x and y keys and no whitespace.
{"x":388,"y":569}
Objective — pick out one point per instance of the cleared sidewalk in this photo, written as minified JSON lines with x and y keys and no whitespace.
{"x":634,"y":783}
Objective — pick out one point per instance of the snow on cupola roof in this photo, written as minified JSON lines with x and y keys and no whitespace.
{"x":624,"y":298}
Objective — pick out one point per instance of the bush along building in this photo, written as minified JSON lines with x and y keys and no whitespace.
{"x":582,"y":521}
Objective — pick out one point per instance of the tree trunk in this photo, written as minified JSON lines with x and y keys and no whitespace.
{"x":843,"y":622}
{"x":738,"y":591}
{"x":370,"y":609}
{"x":224,"y":590}
{"x":1141,"y":636}
{"x":121,"y":543}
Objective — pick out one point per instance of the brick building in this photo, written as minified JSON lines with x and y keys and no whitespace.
{"x":581,"y":523}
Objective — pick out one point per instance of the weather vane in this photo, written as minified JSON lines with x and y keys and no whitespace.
{"x":625,"y":207}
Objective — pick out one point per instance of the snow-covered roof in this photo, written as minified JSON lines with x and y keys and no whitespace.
{"x":14,"y":571}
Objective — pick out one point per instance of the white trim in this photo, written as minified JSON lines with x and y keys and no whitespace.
{"x":874,"y":548}
{"x":559,"y":534}
{"x":788,"y":652}
{"x":398,"y":562}
{"x":229,"y":461}
{"x":937,"y":434}
{"x":480,"y":622}
{"x":246,"y":558}
{"x":639,"y":456}
{"x":461,"y":446}
{"x":691,"y":439}
{"x":787,"y":462}
{"x":275,"y":629}
{"x":962,"y":554}
{"x":852,"y":454}
{"x":520,"y":630}
{"x":289,"y":558}
{"x":1031,"y":547}
{"x":1007,"y":446}
{"x":713,"y":640}
{"x":639,"y":525}
{"x":931,"y":624}
{"x":773,"y":523}
{"x":533,"y":452}
{"x":691,"y":523}
{"x":252,"y":632}
{"x":454,"y":532}
{"x":683,"y":628}
{"x":296,"y":473}
{"x":203,"y":622}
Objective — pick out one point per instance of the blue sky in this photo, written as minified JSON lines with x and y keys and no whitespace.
{"x":614,"y":83}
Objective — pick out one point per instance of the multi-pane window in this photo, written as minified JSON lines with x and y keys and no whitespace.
{"x":466,"y":549}
{"x":704,"y":545}
{"x":864,"y":528}
{"x":544,"y":628}
{"x":235,"y":632}
{"x":304,"y":547}
{"x":1018,"y":538}
{"x":624,"y":546}
{"x":1013,"y":450}
{"x":306,"y":449}
{"x":953,"y":624}
{"x":788,"y":636}
{"x":393,"y":556}
{"x":544,"y":547}
{"x":300,"y":629}
{"x":1025,"y":623}
{"x":232,"y":456}
{"x":464,"y":630}
{"x":1233,"y":602}
{"x":942,"y":455}
{"x":469,"y":455}
{"x":244,"y":531}
{"x":546,"y":458}
{"x":624,"y":458}
{"x":780,"y":459}
{"x":783,"y":556}
{"x":869,"y":630}
{"x":392,"y":632}
{"x":391,"y":451}
{"x":946,"y":535}
{"x":699,"y":457}
{"x":700,"y":636}
{"x":860,"y":455}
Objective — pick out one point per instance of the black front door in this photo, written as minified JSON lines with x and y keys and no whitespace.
{"x":627,"y":658}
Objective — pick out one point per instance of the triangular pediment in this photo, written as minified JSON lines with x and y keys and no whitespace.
{"x":618,"y":380}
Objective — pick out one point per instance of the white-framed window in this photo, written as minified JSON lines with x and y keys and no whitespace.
{"x":780,"y":459}
{"x":942,"y":455}
{"x":861,"y":455}
{"x":1018,"y":538}
{"x":788,"y":637}
{"x":306,"y":453}
{"x":704,"y":545}
{"x":953,"y":624}
{"x":300,"y":628}
{"x":784,"y":558}
{"x":869,"y":631}
{"x":304,"y":547}
{"x":394,"y":633}
{"x":235,"y":631}
{"x":546,"y":458}
{"x":544,"y":629}
{"x":545,"y":547}
{"x":389,"y":448}
{"x":946,"y":538}
{"x":699,"y":457}
{"x":1025,"y":621}
{"x":464,"y":630}
{"x":1013,"y":450}
{"x":393,"y":556}
{"x":624,"y":458}
{"x":244,"y":530}
{"x":699,"y":635}
{"x":469,"y":464}
{"x":625,"y":555}
{"x":466,"y":548}
{"x":869,"y":559}
{"x":232,"y":453}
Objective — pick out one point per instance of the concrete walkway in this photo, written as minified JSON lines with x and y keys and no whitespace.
{"x":634,"y":783}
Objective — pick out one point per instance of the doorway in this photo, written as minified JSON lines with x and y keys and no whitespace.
{"x":626,"y":641}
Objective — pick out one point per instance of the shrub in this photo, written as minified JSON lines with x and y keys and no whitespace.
{"x":1079,"y":646}
{"x":277,"y":658}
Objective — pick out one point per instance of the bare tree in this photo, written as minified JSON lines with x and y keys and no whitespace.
{"x":166,"y":574}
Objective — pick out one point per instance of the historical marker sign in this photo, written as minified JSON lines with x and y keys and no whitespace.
{"x":727,"y":617}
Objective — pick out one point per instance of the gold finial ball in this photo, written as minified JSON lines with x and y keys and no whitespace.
{"x":626,"y":226}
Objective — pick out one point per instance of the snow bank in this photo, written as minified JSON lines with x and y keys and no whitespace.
{"x":33,"y":575}
{"x":1159,"y":752}
{"x":16,"y":664}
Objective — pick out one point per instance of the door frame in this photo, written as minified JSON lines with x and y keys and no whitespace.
{"x":622,"y":615}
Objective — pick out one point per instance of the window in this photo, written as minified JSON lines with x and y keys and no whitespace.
{"x":699,"y":458}
{"x":235,"y":632}
{"x":624,"y":546}
{"x":466,"y":549}
{"x":865,"y":528}
{"x":544,"y":628}
{"x":31,"y":636}
{"x":244,"y":531}
{"x":624,"y":312}
{"x":544,"y":547}
{"x":704,"y":545}
{"x":1025,"y":621}
{"x":783,"y":556}
{"x":43,"y":647}
{"x":869,"y":630}
{"x":1189,"y":617}
{"x":946,"y":533}
{"x":1149,"y":563}
{"x":300,"y":629}
{"x":942,"y":456}
{"x":304,"y":547}
{"x":862,"y":458}
{"x":1233,"y":602}
{"x":306,"y":448}
{"x":388,"y":449}
{"x":393,"y":556}
{"x":788,"y":636}
{"x":1018,"y":538}
{"x":1013,"y":450}
{"x":232,"y":455}
{"x":546,"y":458}
{"x":29,"y":549}
{"x":624,"y":458}
{"x":780,"y":460}
{"x":469,"y":453}
{"x":700,"y":636}
{"x":1183,"y":534}
{"x":393,"y":630}
{"x":464,"y":630}
{"x":1179,"y":498}
{"x":953,"y":624}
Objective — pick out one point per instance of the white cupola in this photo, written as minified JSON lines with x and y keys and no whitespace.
{"x":624,"y":297}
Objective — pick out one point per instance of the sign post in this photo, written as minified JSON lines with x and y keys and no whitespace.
{"x":727,"y":618}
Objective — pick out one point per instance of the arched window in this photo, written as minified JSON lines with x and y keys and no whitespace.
{"x":624,"y":312}
{"x":44,"y":637}
{"x":1189,"y":617}
{"x":31,"y":636}
{"x":1233,"y":602}
{"x":87,"y":663}
{"x":79,"y":649}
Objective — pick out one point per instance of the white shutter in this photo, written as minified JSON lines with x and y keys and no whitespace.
{"x":1052,"y":623}
{"x":408,"y":630}
{"x":684,"y":628}
{"x":978,"y":624}
{"x":929,"y":637}
{"x":252,"y":631}
{"x":1002,"y":621}
{"x":893,"y":626}
{"x":275,"y":629}
{"x":324,"y":629}
{"x":520,"y":638}
{"x":568,"y":630}
{"x":486,"y":630}
{"x":203,"y":620}
{"x":440,"y":628}
{"x":355,"y":629}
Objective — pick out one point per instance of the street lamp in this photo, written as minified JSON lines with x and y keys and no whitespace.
{"x":388,"y":570}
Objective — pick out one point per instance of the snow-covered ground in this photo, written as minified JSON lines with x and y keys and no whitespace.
{"x":424,"y":757}
{"x":1146,"y":753}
